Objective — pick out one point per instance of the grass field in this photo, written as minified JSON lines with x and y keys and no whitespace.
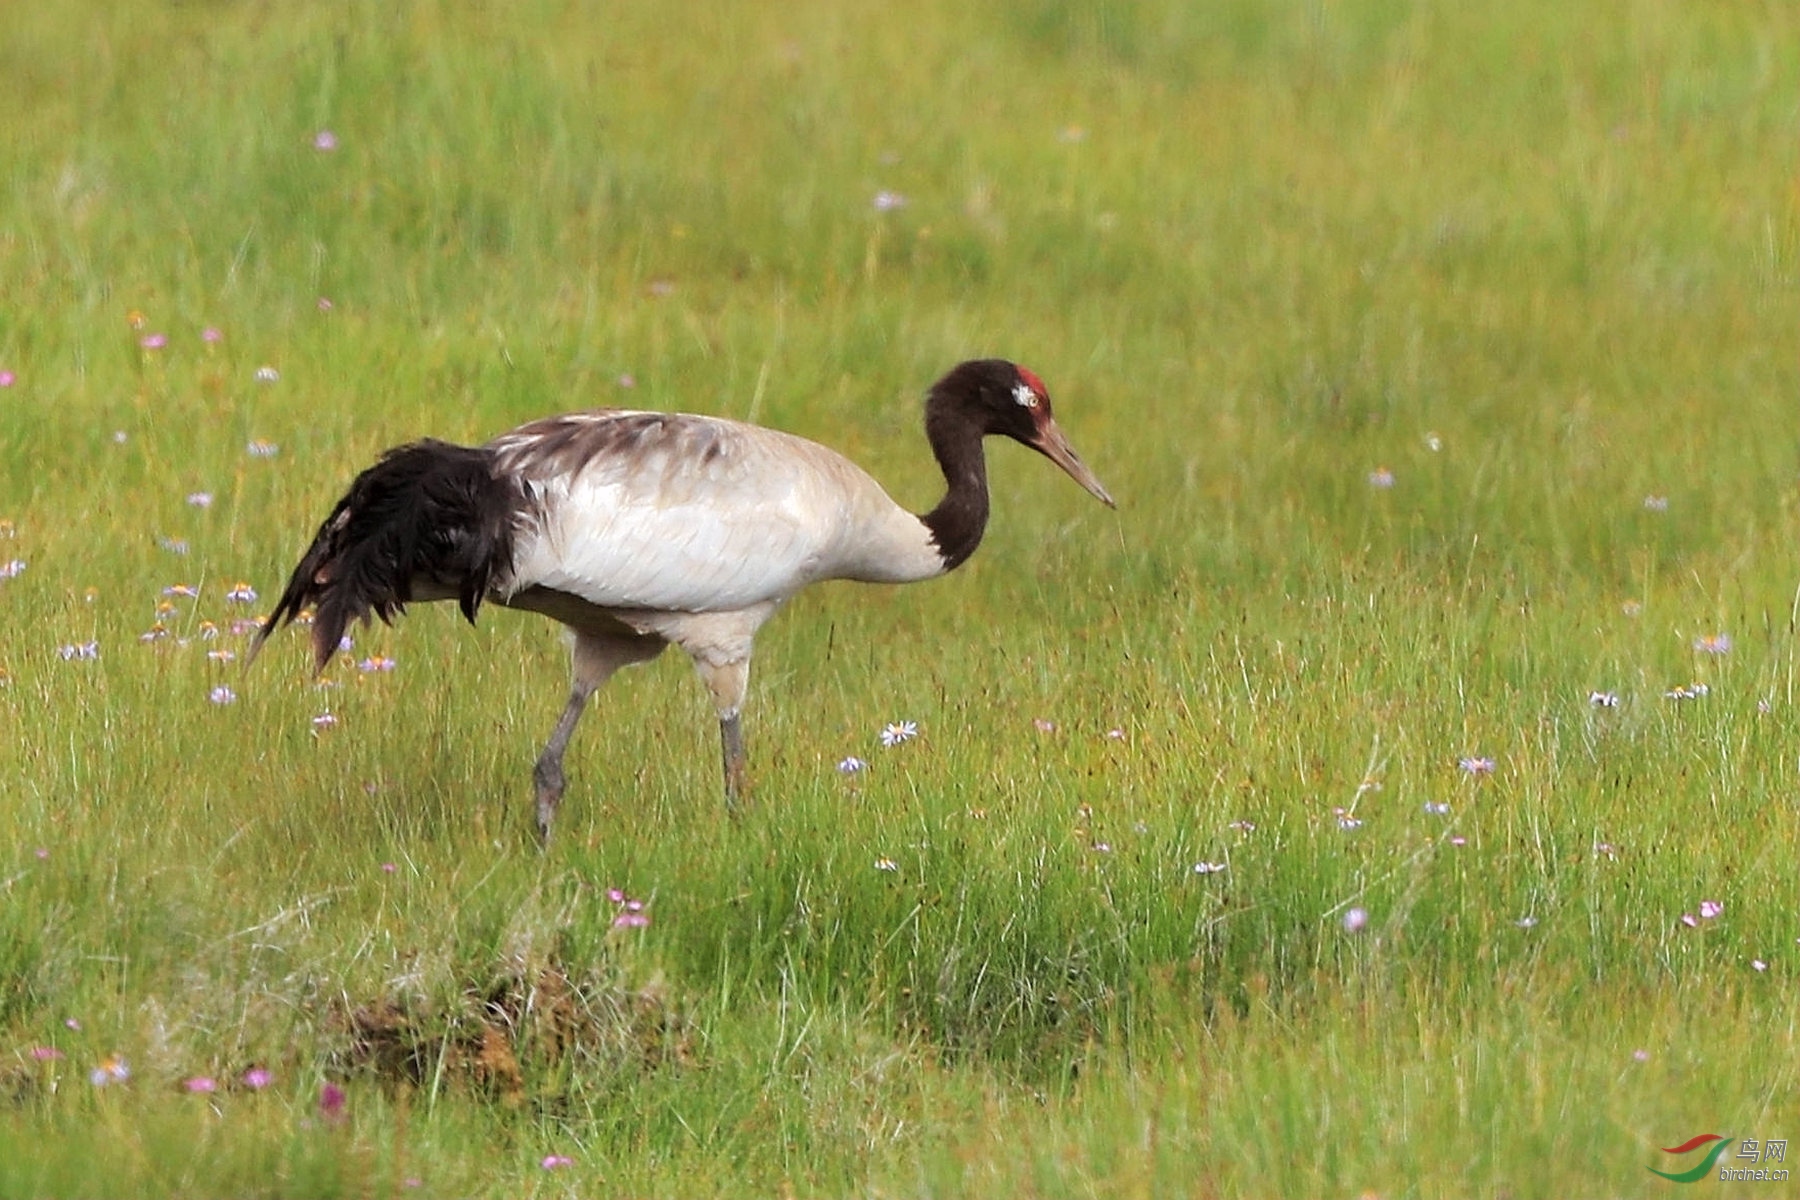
{"x":1442,"y":358}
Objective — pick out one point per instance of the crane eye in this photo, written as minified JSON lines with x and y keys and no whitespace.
{"x":1025,"y":396}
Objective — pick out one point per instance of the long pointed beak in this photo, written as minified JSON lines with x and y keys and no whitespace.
{"x":1055,"y":447}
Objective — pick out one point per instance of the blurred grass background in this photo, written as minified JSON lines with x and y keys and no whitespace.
{"x":1441,"y":358}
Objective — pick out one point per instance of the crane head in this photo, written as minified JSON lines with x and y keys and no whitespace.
{"x":1011,"y":401}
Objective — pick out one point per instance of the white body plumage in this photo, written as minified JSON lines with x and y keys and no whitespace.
{"x":700,"y":515}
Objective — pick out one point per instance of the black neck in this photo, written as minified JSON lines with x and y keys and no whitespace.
{"x":960,"y":519}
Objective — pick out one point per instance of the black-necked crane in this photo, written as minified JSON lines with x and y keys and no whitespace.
{"x":641,"y":529}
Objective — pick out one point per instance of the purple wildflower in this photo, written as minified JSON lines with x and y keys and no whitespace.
{"x":112,"y":1069}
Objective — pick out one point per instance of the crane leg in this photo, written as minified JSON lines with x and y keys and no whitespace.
{"x":731,"y":754}
{"x":594,"y":660}
{"x":729,"y":682}
{"x":548,"y":773}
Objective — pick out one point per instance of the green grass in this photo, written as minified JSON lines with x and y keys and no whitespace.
{"x":1538,"y":262}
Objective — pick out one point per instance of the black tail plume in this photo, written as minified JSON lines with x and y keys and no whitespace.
{"x":426,"y":513}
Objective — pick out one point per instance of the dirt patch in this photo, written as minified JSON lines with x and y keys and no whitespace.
{"x":520,"y":1034}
